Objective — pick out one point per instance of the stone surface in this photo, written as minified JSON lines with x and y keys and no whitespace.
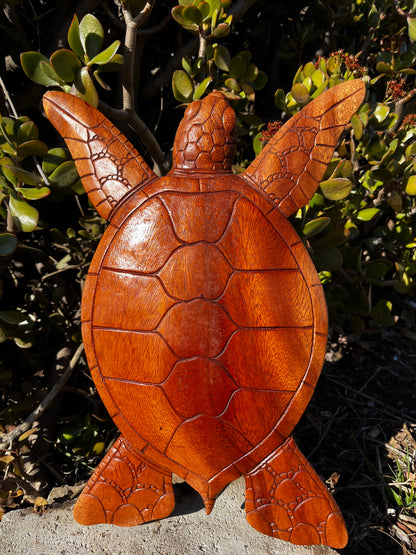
{"x":188,"y":531}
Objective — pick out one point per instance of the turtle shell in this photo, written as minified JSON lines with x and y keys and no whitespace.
{"x":205,"y":325}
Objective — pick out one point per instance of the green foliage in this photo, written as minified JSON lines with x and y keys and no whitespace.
{"x":21,"y":177}
{"x":207,"y":18}
{"x":73,"y":70}
{"x":236,"y":76}
{"x":401,"y":484}
{"x":367,"y":246}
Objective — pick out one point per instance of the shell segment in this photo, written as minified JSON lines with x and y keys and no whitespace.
{"x":210,"y":338}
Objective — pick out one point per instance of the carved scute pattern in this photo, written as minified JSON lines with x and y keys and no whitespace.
{"x":294,"y":161}
{"x":286,"y":499}
{"x":125,"y":490}
{"x":206,"y":137}
{"x":190,"y":301}
{"x":109,"y":166}
{"x":203,"y":267}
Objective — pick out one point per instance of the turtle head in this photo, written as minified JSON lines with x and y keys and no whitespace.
{"x":206,"y":137}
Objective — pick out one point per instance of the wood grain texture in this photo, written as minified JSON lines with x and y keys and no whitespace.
{"x":125,"y":490}
{"x":109,"y":166}
{"x":286,"y":499}
{"x":294,"y":161}
{"x":203,"y":318}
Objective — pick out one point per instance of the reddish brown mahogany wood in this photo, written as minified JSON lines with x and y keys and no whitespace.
{"x":203,"y":318}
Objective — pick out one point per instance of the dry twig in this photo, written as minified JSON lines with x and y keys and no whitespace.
{"x":6,"y":440}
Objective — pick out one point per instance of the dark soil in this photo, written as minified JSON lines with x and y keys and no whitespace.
{"x":359,"y":433}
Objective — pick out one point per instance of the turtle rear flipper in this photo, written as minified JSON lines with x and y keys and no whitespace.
{"x":286,"y":499}
{"x":125,"y":490}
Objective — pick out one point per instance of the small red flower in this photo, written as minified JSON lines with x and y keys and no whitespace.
{"x":395,"y":87}
{"x":409,"y":120}
{"x":272,"y":128}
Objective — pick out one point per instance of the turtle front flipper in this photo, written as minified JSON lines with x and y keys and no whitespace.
{"x":286,"y":499}
{"x":109,"y":166}
{"x":125,"y":490}
{"x":291,"y":165}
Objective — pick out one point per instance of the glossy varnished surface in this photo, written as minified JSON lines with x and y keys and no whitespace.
{"x":204,"y":320}
{"x":206,"y":367}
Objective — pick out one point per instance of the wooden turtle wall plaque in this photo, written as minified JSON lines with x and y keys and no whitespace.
{"x":203,"y":317}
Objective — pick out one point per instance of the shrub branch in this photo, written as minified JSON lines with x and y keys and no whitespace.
{"x":6,"y":440}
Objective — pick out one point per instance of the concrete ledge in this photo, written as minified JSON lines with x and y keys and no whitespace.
{"x":188,"y":531}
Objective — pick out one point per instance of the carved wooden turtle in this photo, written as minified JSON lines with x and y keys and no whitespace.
{"x":203,"y":318}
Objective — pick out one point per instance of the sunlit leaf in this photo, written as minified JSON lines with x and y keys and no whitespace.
{"x":300,"y":93}
{"x":232,"y":84}
{"x":28,"y":131}
{"x":222,"y":58}
{"x":214,"y":5}
{"x":381,"y":112}
{"x":114,"y":65}
{"x":367,"y":214}
{"x":204,"y":8}
{"x":279,"y":100}
{"x":74,"y":40}
{"x":257,"y":143}
{"x":91,"y":34}
{"x":193,"y":14}
{"x":315,"y":226}
{"x":411,"y":24}
{"x":201,"y":88}
{"x":318,"y":78}
{"x":24,"y":176}
{"x":382,"y":67}
{"x":25,"y":216}
{"x":98,"y":447}
{"x":336,"y":189}
{"x":63,"y":263}
{"x":221,"y":30}
{"x":34,"y":193}
{"x":357,"y":126}
{"x":84,"y":87}
{"x":64,"y":175}
{"x":177,"y":12}
{"x":182,"y":86}
{"x":411,"y":185}
{"x":32,"y":148}
{"x":53,"y":159}
{"x":308,"y":69}
{"x":66,"y":64}
{"x":106,"y":55}
{"x":36,"y":66}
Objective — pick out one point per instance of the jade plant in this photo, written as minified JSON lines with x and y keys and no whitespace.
{"x":74,"y":70}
